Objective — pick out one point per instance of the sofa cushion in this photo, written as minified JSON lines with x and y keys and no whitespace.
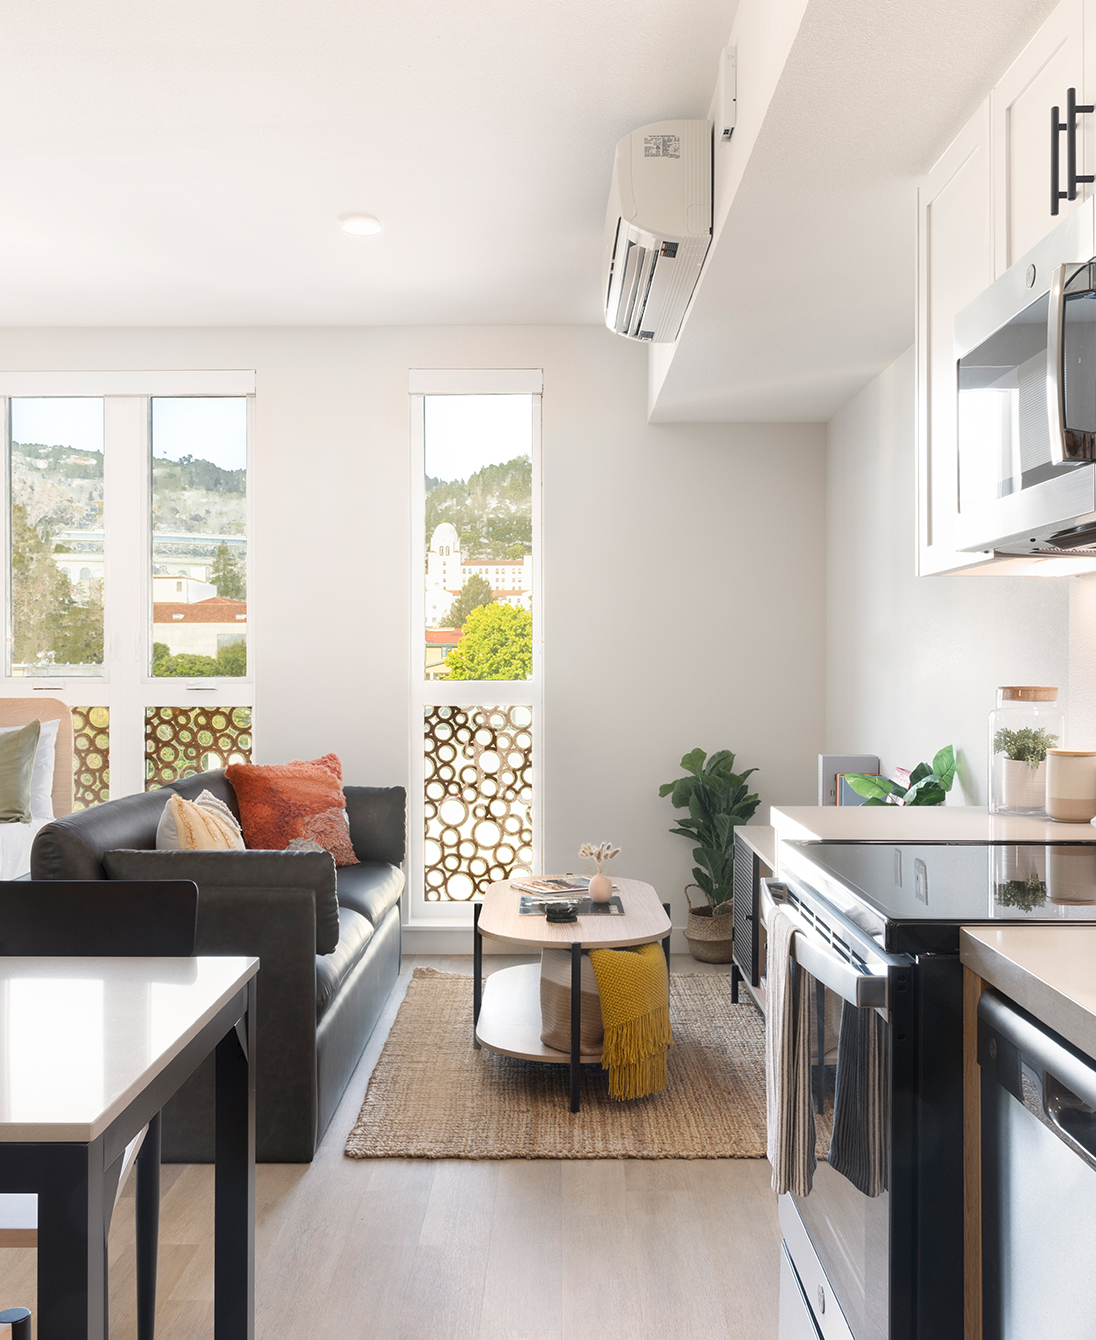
{"x":355,"y":932}
{"x":370,"y":888}
{"x":378,"y":822}
{"x":240,"y":869}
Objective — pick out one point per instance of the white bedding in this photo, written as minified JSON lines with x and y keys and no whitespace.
{"x":15,"y":844}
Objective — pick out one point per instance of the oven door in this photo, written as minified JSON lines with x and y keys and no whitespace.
{"x":846,"y":1219}
{"x":1026,"y":409}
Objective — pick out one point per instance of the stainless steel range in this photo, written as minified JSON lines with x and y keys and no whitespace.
{"x":879,"y":931}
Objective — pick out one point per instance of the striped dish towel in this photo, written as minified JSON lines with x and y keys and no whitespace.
{"x":788,"y":1104}
{"x":858,"y":1148}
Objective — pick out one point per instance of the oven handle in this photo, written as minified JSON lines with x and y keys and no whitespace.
{"x":866,"y":990}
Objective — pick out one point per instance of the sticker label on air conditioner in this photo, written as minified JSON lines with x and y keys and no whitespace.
{"x":662,"y":146}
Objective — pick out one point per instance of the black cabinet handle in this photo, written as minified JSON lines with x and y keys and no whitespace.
{"x":1056,"y":127}
{"x":1072,"y":109}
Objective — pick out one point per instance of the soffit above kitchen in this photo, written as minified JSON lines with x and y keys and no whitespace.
{"x":189,"y":164}
{"x":808,"y":291}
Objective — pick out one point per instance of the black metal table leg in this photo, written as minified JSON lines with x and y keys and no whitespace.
{"x":736,"y":977}
{"x":477,"y":970}
{"x":666,"y":940}
{"x":72,"y":1238}
{"x":576,"y":1025}
{"x":234,"y":1182}
{"x":148,"y":1228}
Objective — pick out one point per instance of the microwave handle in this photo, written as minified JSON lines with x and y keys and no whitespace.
{"x":1056,"y":388}
{"x":863,"y":989}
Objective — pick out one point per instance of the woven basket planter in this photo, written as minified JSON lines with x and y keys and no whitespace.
{"x":710,"y":937}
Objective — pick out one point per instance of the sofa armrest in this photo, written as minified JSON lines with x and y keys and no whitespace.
{"x":313,"y":870}
{"x":378,"y":822}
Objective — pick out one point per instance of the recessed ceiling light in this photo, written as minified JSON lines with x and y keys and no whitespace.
{"x":361,"y":225}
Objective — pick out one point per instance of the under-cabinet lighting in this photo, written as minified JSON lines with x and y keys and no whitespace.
{"x":1065,"y":567}
{"x":361,"y":225}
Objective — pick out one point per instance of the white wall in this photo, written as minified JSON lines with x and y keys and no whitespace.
{"x":684,"y":574}
{"x":913,"y":663}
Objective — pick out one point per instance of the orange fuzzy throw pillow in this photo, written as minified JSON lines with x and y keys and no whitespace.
{"x":283,"y":801}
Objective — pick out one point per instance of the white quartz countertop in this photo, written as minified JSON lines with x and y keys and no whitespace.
{"x":81,"y":1037}
{"x":1050,"y":971}
{"x":761,"y":839}
{"x":919,"y":823}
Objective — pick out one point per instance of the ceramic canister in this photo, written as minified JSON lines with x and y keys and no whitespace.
{"x":1071,"y":785}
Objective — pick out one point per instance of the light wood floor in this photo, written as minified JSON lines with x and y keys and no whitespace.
{"x":513,"y":1250}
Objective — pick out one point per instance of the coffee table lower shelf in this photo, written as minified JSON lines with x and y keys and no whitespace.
{"x":509,"y":1018}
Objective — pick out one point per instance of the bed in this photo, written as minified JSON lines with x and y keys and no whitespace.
{"x":16,"y":839}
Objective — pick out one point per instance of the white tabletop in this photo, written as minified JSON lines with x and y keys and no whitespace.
{"x":81,"y":1037}
{"x":919,"y":823}
{"x":1050,"y":971}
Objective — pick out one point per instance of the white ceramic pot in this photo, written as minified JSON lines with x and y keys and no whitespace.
{"x":1022,"y":786}
{"x":601,"y":888}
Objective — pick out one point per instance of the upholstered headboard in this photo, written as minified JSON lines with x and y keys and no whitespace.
{"x":18,"y":711}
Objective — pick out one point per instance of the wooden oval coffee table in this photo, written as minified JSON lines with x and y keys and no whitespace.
{"x":506,"y":1010}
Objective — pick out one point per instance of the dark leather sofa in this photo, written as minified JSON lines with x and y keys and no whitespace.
{"x":328,"y":941}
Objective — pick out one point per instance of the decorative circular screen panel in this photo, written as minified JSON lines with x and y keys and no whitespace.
{"x":180,"y":741}
{"x":478,"y":798}
{"x":90,"y":756}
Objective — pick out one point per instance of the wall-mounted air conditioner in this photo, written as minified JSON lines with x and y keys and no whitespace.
{"x":658,"y":227}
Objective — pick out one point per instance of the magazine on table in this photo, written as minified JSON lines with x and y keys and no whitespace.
{"x":555,"y":887}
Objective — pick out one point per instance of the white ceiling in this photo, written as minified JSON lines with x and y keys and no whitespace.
{"x":185,"y":164}
{"x":809,"y":288}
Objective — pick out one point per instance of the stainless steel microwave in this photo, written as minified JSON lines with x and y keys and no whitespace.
{"x":1025,"y":354}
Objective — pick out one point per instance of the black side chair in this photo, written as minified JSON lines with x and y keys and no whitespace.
{"x":108,"y":919}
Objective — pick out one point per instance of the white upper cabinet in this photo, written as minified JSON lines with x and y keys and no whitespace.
{"x":1052,"y":62}
{"x":985,"y":203}
{"x":954,"y":264}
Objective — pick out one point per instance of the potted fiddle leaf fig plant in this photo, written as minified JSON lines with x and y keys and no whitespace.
{"x":717,"y":799}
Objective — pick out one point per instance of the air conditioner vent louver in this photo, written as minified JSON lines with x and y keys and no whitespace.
{"x":658,"y":227}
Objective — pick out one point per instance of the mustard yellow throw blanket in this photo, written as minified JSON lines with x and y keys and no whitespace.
{"x":635,"y":1003}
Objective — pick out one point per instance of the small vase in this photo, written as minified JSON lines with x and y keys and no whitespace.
{"x":601,"y":888}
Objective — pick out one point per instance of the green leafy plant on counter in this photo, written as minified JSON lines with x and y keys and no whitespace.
{"x":1027,"y":745}
{"x":925,"y":785}
{"x":716,"y":798}
{"x":1024,"y":894}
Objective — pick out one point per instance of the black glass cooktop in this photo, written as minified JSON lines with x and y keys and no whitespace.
{"x":900,"y":894}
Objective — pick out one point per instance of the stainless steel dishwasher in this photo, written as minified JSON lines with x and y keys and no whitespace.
{"x":1038,"y":1179}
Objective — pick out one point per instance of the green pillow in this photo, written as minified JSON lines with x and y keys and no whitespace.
{"x":16,"y":768}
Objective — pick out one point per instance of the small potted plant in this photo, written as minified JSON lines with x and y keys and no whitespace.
{"x":717,"y":800}
{"x":1023,"y":767}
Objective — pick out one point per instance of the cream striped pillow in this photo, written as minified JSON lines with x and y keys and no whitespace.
{"x":205,"y":824}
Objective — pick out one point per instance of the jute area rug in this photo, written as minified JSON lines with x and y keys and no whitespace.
{"x":433,"y":1096}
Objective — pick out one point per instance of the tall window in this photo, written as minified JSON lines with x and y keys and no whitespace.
{"x":56,"y":524}
{"x":476,"y":698}
{"x":199,"y":536}
{"x":126,"y":590}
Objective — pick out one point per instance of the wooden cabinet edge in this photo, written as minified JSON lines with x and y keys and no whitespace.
{"x":973,"y":986}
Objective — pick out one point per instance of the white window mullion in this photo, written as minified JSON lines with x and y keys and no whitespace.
{"x":125,"y":490}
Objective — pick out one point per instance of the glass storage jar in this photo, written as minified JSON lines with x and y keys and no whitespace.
{"x":1026,"y":722}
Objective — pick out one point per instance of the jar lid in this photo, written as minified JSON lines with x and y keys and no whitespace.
{"x":1027,"y":693}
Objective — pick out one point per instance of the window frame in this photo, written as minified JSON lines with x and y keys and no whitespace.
{"x":127,"y":686}
{"x":434,"y":692}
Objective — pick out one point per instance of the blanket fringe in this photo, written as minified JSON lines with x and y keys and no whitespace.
{"x":634,"y":1053}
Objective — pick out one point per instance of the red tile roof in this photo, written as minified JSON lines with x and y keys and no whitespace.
{"x":214,"y":610}
{"x":443,"y":637}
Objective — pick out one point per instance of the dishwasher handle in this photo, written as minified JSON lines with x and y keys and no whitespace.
{"x":1052,"y":1079}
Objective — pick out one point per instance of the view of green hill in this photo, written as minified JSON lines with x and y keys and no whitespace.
{"x":491,"y":510}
